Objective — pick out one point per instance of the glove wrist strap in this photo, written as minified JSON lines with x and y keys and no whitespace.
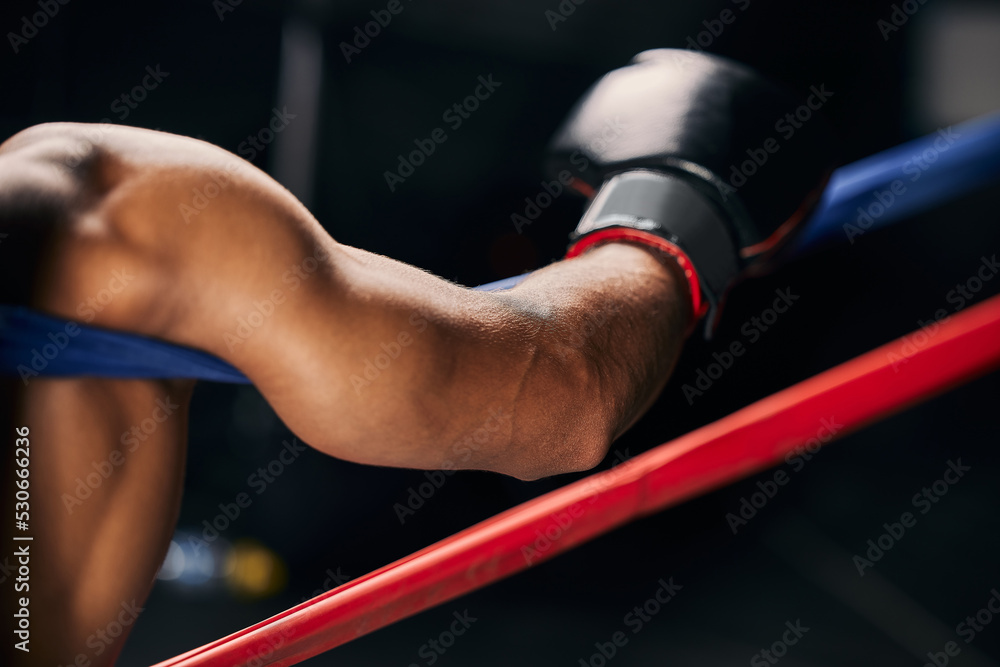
{"x":699,"y":306}
{"x":667,"y":212}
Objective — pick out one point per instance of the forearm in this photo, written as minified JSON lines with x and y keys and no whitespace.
{"x":619,"y":315}
{"x":571,"y":357}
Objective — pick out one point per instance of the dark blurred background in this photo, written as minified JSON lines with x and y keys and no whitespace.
{"x":226,"y":68}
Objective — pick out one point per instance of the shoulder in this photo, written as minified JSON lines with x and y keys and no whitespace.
{"x":52,"y":178}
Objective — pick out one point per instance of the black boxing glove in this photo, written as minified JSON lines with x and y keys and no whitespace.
{"x":699,"y":157}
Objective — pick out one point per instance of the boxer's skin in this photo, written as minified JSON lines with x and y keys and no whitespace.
{"x":556,"y":368}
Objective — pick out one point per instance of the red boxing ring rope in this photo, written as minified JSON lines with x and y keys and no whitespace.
{"x":855,"y":393}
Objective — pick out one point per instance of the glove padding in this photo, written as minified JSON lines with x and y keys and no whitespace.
{"x":693,"y":154}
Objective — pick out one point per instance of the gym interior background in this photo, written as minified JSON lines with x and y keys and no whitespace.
{"x":326,"y":101}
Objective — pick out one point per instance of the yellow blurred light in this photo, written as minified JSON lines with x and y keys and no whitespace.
{"x":254,"y":571}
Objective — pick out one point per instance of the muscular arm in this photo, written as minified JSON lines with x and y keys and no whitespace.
{"x":363,"y":357}
{"x":103,"y":505}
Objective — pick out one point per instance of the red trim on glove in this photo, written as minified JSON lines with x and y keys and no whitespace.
{"x":698,"y":306}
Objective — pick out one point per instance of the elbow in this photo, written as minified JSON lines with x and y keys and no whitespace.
{"x":588,"y":441}
{"x":569,"y":455}
{"x":565,"y":422}
{"x":560,"y":398}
